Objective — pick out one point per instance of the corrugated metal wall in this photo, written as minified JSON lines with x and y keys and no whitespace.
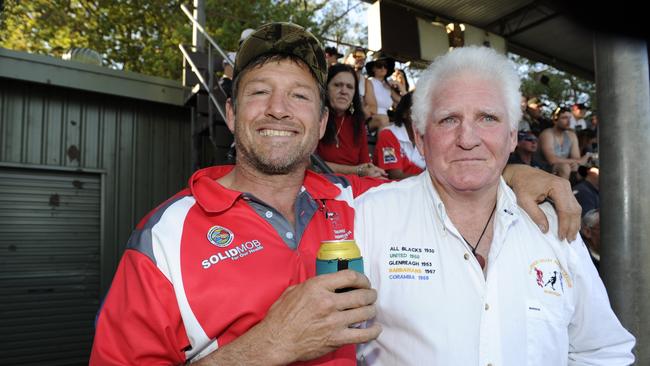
{"x":49,"y":265}
{"x":142,"y":149}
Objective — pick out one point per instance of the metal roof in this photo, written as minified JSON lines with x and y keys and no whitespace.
{"x":49,"y":70}
{"x":538,"y":30}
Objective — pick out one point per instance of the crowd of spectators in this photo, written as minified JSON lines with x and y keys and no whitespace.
{"x":369,"y":129}
{"x":566,"y":145}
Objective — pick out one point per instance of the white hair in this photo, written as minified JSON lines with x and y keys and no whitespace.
{"x":479,"y":61}
{"x":591,"y":218}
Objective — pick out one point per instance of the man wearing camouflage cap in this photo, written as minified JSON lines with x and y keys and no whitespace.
{"x":223,"y":272}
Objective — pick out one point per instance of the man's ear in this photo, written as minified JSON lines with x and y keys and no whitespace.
{"x":513,"y":140}
{"x":230,"y":115}
{"x":419,"y":140}
{"x":323,"y":123}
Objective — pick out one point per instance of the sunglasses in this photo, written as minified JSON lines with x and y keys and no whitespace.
{"x":381,"y":65}
{"x":530,"y":138}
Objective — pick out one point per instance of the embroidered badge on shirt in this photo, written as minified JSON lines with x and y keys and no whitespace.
{"x":389,"y":155}
{"x":340,"y":232}
{"x":220,"y":236}
{"x":549,"y":276}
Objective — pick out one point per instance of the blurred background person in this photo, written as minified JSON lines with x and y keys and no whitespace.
{"x":538,"y":122}
{"x":399,"y":82}
{"x":594,"y":122}
{"x":525,"y":151}
{"x":332,"y":56}
{"x":578,"y":112}
{"x":395,"y":151}
{"x":357,"y":59}
{"x":587,"y":141}
{"x":587,"y":191}
{"x":344,"y":147}
{"x":226,"y":79}
{"x":525,"y":122}
{"x":590,"y":232}
{"x":380,"y":95}
{"x":559,"y":145}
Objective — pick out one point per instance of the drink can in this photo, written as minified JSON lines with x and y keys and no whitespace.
{"x":337,"y":255}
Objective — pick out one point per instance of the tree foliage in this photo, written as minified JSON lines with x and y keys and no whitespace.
{"x":343,"y":22}
{"x":143,"y":36}
{"x":140,"y":36}
{"x":555,"y":87}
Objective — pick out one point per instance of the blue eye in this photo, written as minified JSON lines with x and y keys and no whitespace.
{"x":490,"y":118}
{"x":448,"y":121}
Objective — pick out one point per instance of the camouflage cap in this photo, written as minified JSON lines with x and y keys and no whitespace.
{"x":283,"y":38}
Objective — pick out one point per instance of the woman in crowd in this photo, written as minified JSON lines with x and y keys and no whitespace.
{"x":345,"y":145}
{"x":380,"y":95}
{"x":399,"y":82}
{"x":395,"y":151}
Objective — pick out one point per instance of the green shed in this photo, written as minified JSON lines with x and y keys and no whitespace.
{"x":85,"y":152}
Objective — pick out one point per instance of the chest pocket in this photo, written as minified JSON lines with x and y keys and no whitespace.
{"x":548,"y":314}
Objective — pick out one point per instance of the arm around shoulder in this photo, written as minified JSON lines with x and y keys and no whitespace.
{"x":532,"y":186}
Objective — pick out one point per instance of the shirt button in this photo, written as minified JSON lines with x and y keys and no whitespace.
{"x":466,"y":256}
{"x":487,"y":307}
{"x":289,"y":235}
{"x":268,"y":214}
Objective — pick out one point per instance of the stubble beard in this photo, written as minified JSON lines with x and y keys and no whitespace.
{"x":295,"y":159}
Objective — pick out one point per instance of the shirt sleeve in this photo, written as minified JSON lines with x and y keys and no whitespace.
{"x":596,"y":337}
{"x":139,"y":322}
{"x":360,"y":185}
{"x":388,"y":152}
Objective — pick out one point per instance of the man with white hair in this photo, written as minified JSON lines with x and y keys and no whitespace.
{"x":463,"y":275}
{"x":590,"y":232}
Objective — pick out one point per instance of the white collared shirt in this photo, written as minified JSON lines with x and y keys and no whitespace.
{"x":541,"y":301}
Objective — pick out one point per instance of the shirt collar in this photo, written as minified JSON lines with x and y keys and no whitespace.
{"x":507,"y":210}
{"x":213,"y":197}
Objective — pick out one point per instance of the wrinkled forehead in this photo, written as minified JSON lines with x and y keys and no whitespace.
{"x":466,"y":92}
{"x":342,"y":76}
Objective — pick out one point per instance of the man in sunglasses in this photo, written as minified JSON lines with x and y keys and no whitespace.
{"x":527,"y":145}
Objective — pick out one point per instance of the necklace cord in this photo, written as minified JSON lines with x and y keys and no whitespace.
{"x":474,"y":247}
{"x":338,"y":130}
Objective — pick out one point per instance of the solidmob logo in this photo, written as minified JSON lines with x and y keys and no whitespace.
{"x":220,"y":236}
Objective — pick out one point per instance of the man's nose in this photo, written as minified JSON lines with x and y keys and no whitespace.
{"x":277,"y":106}
{"x":468,"y":137}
